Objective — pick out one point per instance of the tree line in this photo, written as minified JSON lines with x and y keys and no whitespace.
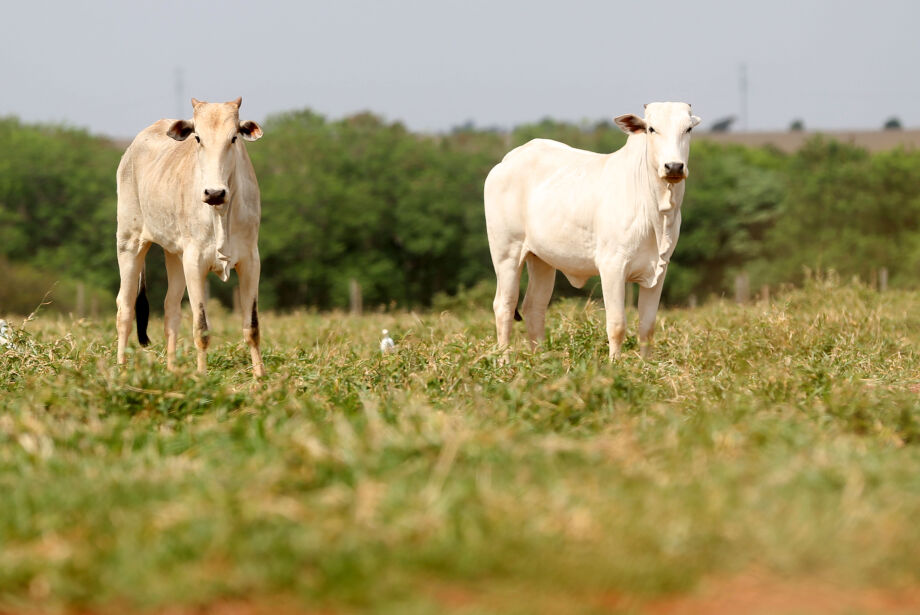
{"x":400,"y":212}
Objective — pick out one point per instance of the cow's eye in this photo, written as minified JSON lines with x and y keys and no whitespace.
{"x":651,"y":130}
{"x":197,"y":138}
{"x":689,"y":129}
{"x":233,"y":140}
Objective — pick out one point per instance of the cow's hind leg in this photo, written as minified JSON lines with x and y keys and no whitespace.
{"x":130,"y":264}
{"x":195,"y":278}
{"x":172,"y":306}
{"x":540,"y":280}
{"x":508,"y":277}
{"x":649,"y":299}
{"x":248,"y":274}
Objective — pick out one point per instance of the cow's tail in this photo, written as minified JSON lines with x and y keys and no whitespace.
{"x":142,"y":309}
{"x":517,"y":315}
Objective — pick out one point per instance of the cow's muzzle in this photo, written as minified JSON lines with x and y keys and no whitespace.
{"x":675,"y":172}
{"x":214,"y":196}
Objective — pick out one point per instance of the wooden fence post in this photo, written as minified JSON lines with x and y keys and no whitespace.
{"x":692,"y":301}
{"x":354,"y":297}
{"x":882,"y":279}
{"x":742,"y":288}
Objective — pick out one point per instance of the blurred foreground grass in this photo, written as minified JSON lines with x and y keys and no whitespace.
{"x":782,"y":438}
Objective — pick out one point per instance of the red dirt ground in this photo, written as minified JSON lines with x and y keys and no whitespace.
{"x":751,"y":593}
{"x":760,"y":594}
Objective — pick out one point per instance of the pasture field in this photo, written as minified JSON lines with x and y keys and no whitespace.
{"x":770,"y":448}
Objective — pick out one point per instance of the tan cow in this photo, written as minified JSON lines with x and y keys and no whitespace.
{"x":198,"y":198}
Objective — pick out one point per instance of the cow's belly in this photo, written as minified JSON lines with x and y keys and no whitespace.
{"x":563,"y":237}
{"x":578,"y":254}
{"x":576,"y":264}
{"x":171,"y":243}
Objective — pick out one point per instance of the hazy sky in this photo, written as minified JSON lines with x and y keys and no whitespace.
{"x":111,"y":66}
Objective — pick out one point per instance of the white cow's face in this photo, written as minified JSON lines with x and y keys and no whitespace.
{"x":667,"y":127}
{"x":216,"y":128}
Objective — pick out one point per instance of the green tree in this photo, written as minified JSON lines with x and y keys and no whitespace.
{"x":57,"y":200}
{"x":732,"y":199}
{"x":847,"y":210}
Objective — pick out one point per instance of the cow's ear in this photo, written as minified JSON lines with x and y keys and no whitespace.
{"x":180,"y":130}
{"x":250,"y":130}
{"x":694,"y":121}
{"x":238,"y":102}
{"x":630,"y":123}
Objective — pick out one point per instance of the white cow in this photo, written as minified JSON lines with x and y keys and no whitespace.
{"x":199,"y":199}
{"x":617,"y":215}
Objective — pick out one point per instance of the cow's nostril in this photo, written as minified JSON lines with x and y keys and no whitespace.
{"x":674,"y":167}
{"x":214,"y":196}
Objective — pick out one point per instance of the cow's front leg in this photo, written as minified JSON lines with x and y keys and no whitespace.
{"x":195,"y":274}
{"x":649,"y":299}
{"x":248,"y":274}
{"x":613,"y":283}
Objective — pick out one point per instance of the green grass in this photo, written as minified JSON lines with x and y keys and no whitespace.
{"x":781,"y":438}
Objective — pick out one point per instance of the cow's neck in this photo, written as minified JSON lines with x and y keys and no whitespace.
{"x":664,"y":197}
{"x":662,"y":208}
{"x":224,"y":221}
{"x":221,"y":224}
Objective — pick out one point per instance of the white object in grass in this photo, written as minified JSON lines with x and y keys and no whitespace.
{"x":6,"y":334}
{"x":387,"y":344}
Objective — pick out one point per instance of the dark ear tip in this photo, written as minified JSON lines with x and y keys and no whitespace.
{"x":250,"y":130}
{"x":180,"y":130}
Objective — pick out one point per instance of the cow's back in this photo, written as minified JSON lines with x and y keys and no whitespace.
{"x":544,"y":194}
{"x":525,"y":166}
{"x":540,"y":166}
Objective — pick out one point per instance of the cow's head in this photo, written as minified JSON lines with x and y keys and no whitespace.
{"x":667,"y":126}
{"x":216,"y":128}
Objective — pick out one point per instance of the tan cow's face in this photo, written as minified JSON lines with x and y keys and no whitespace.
{"x":216,"y":128}
{"x":667,"y":127}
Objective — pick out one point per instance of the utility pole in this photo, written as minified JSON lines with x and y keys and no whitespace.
{"x":180,"y":94}
{"x":743,"y":91}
